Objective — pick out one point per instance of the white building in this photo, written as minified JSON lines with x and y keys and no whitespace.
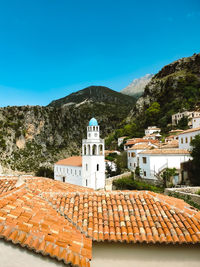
{"x":152,"y":162}
{"x":189,"y":114}
{"x":152,"y":129}
{"x":121,"y":140}
{"x":195,"y":122}
{"x":89,"y":169}
{"x":133,"y":154}
{"x":186,"y":137}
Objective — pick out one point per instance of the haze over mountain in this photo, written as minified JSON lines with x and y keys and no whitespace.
{"x":136,"y":87}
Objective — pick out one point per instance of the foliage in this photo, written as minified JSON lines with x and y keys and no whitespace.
{"x":45,"y":172}
{"x":195,"y":164}
{"x":198,"y":192}
{"x":152,"y":113}
{"x":167,"y":174}
{"x":183,"y":123}
{"x":128,"y":183}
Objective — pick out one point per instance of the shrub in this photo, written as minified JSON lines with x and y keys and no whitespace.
{"x":128,"y":183}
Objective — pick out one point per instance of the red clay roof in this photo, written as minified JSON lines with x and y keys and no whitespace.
{"x":60,"y":220}
{"x":139,"y":140}
{"x":131,"y":216}
{"x":71,"y":161}
{"x":190,"y":130}
{"x":161,"y":151}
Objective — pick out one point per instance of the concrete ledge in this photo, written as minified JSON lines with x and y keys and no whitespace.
{"x":185,"y":192}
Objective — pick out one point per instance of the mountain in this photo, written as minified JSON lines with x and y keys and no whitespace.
{"x":94,"y":94}
{"x":136,"y":87}
{"x":176,"y":87}
{"x":32,"y":137}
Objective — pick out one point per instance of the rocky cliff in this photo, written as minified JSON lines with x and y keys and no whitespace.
{"x":137,"y":86}
{"x":176,"y":87}
{"x":35,"y":136}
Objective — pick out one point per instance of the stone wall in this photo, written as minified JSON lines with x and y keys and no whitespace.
{"x":185,"y":192}
{"x":109,"y":181}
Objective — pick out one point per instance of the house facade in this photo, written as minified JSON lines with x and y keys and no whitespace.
{"x":189,"y":114}
{"x":153,"y":162}
{"x":195,"y":122}
{"x":152,"y":129}
{"x":89,"y":169}
{"x":186,"y":137}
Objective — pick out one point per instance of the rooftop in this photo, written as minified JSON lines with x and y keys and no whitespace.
{"x":71,"y":161}
{"x":190,"y":130}
{"x":168,"y":151}
{"x":61,"y":220}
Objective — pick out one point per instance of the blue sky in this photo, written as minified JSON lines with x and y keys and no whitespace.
{"x":51,"y":48}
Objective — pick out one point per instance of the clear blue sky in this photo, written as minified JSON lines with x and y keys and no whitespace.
{"x":50,"y":48}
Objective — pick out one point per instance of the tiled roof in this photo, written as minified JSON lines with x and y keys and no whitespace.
{"x":131,"y":216}
{"x":60,"y":220}
{"x":171,"y":144}
{"x":140,"y":146}
{"x":30,"y":221}
{"x":166,"y":151}
{"x":190,"y":130}
{"x":139,"y":140}
{"x":7,"y":184}
{"x":71,"y":161}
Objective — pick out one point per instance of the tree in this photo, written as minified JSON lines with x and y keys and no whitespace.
{"x":152,"y":113}
{"x":183,"y":123}
{"x":167,"y":174}
{"x":195,"y":153}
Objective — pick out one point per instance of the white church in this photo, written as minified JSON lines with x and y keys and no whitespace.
{"x":89,"y":169}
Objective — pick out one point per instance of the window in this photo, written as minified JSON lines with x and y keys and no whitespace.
{"x":129,"y":154}
{"x":86,"y":182}
{"x":67,"y":170}
{"x":130,"y":164}
{"x":186,"y":139}
{"x":63,"y":179}
{"x":80,"y":173}
{"x":145,"y":174}
{"x":181,"y":140}
{"x":86,"y":166}
{"x":132,"y":154}
{"x":71,"y":171}
{"x":190,"y":138}
{"x":97,"y":167}
{"x":144,"y":160}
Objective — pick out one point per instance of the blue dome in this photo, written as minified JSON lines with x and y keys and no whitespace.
{"x":93,"y":122}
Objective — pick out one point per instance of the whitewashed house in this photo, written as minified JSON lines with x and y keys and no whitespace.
{"x":153,"y":162}
{"x":152,"y":129}
{"x":133,"y":154}
{"x":89,"y":169}
{"x":189,"y":114}
{"x":186,"y":137}
{"x":195,"y":122}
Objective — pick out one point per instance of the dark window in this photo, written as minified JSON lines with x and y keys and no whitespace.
{"x":97,"y":167}
{"x":64,"y":179}
{"x":86,"y":182}
{"x":144,"y":159}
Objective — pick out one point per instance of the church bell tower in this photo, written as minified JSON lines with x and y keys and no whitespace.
{"x":93,"y":160}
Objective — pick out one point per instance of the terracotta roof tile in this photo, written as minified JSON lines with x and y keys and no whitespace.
{"x":60,"y":220}
{"x":71,"y":161}
{"x":132,"y":217}
{"x":165,"y":151}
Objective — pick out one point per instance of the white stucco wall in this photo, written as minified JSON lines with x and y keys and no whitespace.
{"x":186,"y":145}
{"x":155,"y":163}
{"x":196,"y":122}
{"x":15,"y":256}
{"x":72,"y":174}
{"x":141,"y":255}
{"x":132,"y":161}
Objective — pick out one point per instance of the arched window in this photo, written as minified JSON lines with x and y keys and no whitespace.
{"x":88,"y":150}
{"x":97,"y":167}
{"x":93,"y":128}
{"x":84,"y":150}
{"x":94,"y":150}
{"x":100,"y":149}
